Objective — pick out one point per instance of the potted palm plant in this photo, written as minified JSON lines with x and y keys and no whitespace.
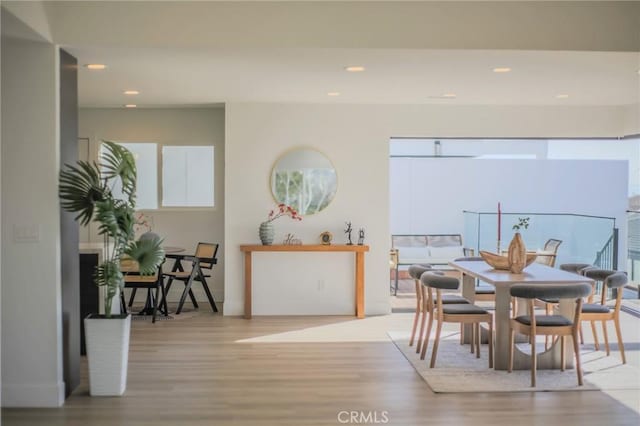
{"x":88,"y":190}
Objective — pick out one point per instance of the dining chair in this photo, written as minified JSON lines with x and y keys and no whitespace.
{"x":601,"y":311}
{"x":549,"y":252}
{"x":415,"y":272}
{"x":549,"y":303}
{"x":204,"y":258}
{"x":547,"y":325}
{"x":133,"y":280}
{"x":462,"y":313}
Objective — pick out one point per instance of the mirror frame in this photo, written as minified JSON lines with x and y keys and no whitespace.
{"x":289,"y":151}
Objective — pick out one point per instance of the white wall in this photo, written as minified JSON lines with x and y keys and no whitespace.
{"x":470,"y":147}
{"x":356,"y":139}
{"x":183,"y":227}
{"x":428,"y":195}
{"x":31,"y":304}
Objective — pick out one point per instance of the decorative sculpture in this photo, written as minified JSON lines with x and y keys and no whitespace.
{"x":361,"y":236}
{"x":348,"y":232}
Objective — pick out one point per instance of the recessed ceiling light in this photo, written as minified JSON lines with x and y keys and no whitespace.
{"x":449,"y":95}
{"x":333,"y":94}
{"x":131,"y":92}
{"x":130,"y":106}
{"x":355,"y":68}
{"x":502,"y":69}
{"x":95,"y":66}
{"x":638,"y":71}
{"x":562,"y":96}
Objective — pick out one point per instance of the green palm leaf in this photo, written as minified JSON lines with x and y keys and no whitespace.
{"x":117,"y":161}
{"x":80,"y":188}
{"x":148,"y":253}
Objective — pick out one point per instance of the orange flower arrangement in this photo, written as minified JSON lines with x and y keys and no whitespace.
{"x":283,"y":210}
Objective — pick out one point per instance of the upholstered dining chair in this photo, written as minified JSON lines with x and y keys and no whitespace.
{"x":204,"y":258}
{"x":462,"y":313}
{"x":133,"y":280}
{"x":548,"y":304}
{"x":547,"y":325}
{"x":601,"y":311}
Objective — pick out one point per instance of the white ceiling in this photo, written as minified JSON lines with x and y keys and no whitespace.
{"x":203,"y":76}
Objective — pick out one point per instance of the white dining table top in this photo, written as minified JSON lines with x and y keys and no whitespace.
{"x":535,"y":273}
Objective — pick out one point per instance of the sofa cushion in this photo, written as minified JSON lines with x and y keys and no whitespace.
{"x":413,"y":254}
{"x":448,"y":253}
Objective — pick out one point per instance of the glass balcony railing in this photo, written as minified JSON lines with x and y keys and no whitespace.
{"x":585,"y":239}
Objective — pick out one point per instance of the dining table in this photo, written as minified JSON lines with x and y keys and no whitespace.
{"x":502,"y":280}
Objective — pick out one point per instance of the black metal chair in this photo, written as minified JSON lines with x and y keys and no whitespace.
{"x":133,"y":280}
{"x":204,"y":258}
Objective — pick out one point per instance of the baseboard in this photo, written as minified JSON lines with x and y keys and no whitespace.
{"x":33,"y":395}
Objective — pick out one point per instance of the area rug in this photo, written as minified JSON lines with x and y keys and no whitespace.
{"x":457,"y":370}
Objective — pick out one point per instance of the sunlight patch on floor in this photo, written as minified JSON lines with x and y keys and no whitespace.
{"x":371,"y":329}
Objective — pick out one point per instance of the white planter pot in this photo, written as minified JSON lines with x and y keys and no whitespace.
{"x":108,"y":353}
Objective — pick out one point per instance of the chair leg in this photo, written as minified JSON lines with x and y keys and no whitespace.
{"x":595,"y":335}
{"x":512,"y":340}
{"x":616,"y":322}
{"x":123,"y":304}
{"x":416,"y":318}
{"x":605,"y":337}
{"x":425,"y":341}
{"x":133,"y":296}
{"x":581,"y":335}
{"x":395,"y":291}
{"x":563,"y":353}
{"x":576,"y":348}
{"x":187,"y":291}
{"x":421,"y":337}
{"x":192,"y":297}
{"x":434,"y":352}
{"x":208,"y":293}
{"x":163,"y":303}
{"x":155,"y":305}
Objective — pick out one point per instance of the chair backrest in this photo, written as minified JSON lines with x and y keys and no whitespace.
{"x":552,"y":245}
{"x":207,"y":253}
{"x":610,"y":279}
{"x":131,"y":271}
{"x":576,"y":268}
{"x":549,"y":251}
{"x":444,"y":240}
{"x":416,"y":271}
{"x":440,"y":282}
{"x":550,"y":291}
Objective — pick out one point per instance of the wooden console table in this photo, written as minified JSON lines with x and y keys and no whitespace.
{"x":359,"y":278}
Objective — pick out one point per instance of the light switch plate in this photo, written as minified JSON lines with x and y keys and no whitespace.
{"x":26,"y":233}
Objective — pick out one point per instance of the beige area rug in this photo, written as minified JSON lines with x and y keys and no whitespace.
{"x":457,"y":370}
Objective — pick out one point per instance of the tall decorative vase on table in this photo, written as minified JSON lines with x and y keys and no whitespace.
{"x":267,"y":233}
{"x":517,"y":254}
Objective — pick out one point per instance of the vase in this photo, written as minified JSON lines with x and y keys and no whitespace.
{"x":517,"y":254}
{"x":267,"y":233}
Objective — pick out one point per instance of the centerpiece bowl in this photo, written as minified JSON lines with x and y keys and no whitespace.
{"x":502,"y":262}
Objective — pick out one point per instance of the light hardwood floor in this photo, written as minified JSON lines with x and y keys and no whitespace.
{"x":197,"y":371}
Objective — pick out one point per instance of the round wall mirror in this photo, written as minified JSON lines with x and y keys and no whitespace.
{"x":305,"y":180}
